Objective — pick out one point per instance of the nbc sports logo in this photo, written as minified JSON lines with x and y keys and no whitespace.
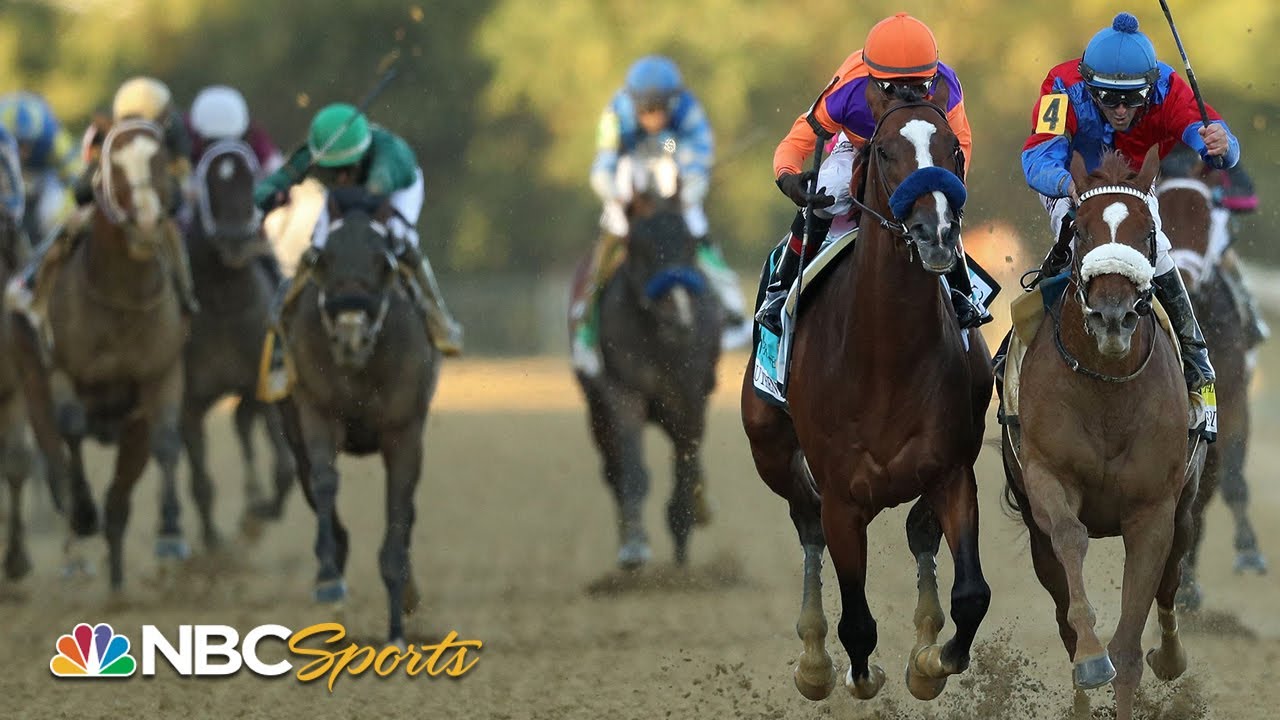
{"x":92,"y":651}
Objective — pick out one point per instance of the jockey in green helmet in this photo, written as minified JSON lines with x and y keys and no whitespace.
{"x":344,"y":149}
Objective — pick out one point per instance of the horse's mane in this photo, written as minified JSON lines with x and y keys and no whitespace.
{"x":1114,"y":170}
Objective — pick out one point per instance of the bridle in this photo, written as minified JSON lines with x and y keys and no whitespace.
{"x":370,"y":333}
{"x":105,"y":190}
{"x":217,"y":151}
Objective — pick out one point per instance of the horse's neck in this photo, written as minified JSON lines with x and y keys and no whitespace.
{"x":891,"y":294}
{"x":109,"y":265}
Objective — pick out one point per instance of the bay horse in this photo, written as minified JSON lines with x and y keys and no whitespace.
{"x":113,"y":368}
{"x":887,"y":399}
{"x":366,"y":373}
{"x":16,"y":460}
{"x":1104,"y":449}
{"x":659,"y":343}
{"x":236,"y":278}
{"x":1186,"y":210}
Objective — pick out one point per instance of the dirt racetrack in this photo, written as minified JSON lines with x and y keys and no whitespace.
{"x":514,"y":544}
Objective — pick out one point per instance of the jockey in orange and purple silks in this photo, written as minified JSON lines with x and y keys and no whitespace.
{"x":900,"y":58}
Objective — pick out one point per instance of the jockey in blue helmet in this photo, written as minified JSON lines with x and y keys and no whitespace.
{"x":654,"y":104}
{"x":49,"y":157}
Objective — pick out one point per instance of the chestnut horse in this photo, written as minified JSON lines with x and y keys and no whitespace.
{"x":16,"y":459}
{"x":114,"y":369}
{"x":1186,"y":210}
{"x":1104,"y":436}
{"x":879,"y":416}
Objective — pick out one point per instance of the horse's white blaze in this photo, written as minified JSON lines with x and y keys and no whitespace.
{"x":684,"y":306}
{"x":919,"y":132}
{"x":1115,"y":214}
{"x":226,"y":169}
{"x":134,"y":159}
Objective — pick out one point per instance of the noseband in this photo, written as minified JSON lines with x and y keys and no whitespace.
{"x":370,"y":333}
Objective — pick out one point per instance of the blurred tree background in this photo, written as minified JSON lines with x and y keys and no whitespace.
{"x":500,"y":98}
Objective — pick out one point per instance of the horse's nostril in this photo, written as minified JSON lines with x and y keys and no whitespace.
{"x":1130,"y":320}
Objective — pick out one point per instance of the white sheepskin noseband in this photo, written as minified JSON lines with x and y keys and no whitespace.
{"x":1118,"y":259}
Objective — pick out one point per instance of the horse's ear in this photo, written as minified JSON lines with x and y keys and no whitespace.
{"x":1078,"y":171}
{"x":941,"y":94}
{"x":877,"y":100}
{"x":1150,"y":167}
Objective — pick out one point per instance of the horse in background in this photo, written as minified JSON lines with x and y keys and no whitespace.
{"x":236,"y":278}
{"x":366,"y":373}
{"x":112,"y":366}
{"x":16,"y":459}
{"x":1104,"y":448}
{"x":887,"y":399}
{"x":1198,"y":236}
{"x":660,"y":328}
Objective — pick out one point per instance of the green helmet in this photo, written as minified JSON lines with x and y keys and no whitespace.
{"x":339,"y":136}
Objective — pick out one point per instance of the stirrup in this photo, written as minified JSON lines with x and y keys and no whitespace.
{"x":770,"y":313}
{"x":969,"y":314}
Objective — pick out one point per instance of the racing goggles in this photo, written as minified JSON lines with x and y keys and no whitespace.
{"x":1109,"y":98}
{"x":913,"y":87}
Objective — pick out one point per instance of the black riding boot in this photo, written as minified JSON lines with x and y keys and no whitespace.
{"x":1195,"y":354}
{"x":775,"y":294}
{"x":968,"y":312}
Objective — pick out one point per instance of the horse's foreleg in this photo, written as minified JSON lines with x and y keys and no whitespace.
{"x":1052,"y":576}
{"x":402,"y":457}
{"x":131,"y":459}
{"x":284,"y":467}
{"x":322,"y":438}
{"x":685,"y":426}
{"x":17,"y":466}
{"x":1148,"y":537}
{"x":1057,"y":514}
{"x":243,"y":417}
{"x":39,"y":406}
{"x":955,"y":503}
{"x":1235,"y":493}
{"x":617,"y":423}
{"x":1169,"y":661}
{"x":845,"y":528}
{"x":161,"y":404}
{"x":193,"y":440}
{"x":924,"y":536}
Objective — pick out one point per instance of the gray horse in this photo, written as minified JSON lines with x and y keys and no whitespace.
{"x":659,"y":339}
{"x":235,"y":282}
{"x":366,"y":373}
{"x":15,"y":450}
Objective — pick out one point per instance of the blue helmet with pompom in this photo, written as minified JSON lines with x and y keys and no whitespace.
{"x":1120,"y":57}
{"x":653,"y":81}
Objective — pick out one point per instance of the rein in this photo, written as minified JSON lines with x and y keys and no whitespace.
{"x":1078,"y":367}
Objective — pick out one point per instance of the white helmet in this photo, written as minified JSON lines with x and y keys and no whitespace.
{"x":140,"y":97}
{"x":220,"y":113}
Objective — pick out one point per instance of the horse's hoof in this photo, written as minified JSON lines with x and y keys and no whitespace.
{"x":172,"y":547}
{"x":634,"y":554}
{"x":17,"y":564}
{"x":1168,"y":662}
{"x":331,"y":591}
{"x":1189,"y":597}
{"x":867,"y":687}
{"x":1251,"y":561}
{"x":78,"y":567}
{"x":815,"y":680}
{"x":1093,"y":672}
{"x":922,"y":687}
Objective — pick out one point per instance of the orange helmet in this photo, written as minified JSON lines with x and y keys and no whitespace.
{"x":901,"y":46}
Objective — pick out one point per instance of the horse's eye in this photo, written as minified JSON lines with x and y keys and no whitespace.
{"x":884,"y":154}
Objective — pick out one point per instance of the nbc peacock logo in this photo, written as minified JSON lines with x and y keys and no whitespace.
{"x":92,"y":651}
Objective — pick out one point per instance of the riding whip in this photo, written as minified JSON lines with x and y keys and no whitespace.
{"x":1216,"y":161}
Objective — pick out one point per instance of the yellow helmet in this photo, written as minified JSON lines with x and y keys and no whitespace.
{"x":141,"y":97}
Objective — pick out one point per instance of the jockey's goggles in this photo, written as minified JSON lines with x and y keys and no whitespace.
{"x":1114,"y":98}
{"x":915,"y":86}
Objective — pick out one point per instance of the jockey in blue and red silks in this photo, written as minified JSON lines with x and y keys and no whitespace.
{"x":1118,"y":96}
{"x":49,"y":158}
{"x":901,"y":58}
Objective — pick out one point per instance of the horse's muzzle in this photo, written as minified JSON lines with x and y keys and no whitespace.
{"x":353,"y":323}
{"x":936,"y":246}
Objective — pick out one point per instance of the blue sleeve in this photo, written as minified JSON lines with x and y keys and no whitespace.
{"x":1191,"y":136}
{"x":608,"y":144}
{"x":696,"y":151}
{"x":1045,"y":166}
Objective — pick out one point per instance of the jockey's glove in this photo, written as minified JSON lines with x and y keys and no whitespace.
{"x":795,"y":186}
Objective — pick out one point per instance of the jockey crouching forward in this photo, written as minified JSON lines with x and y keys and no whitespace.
{"x":653,"y":103}
{"x":139,"y":98}
{"x":220,"y":113}
{"x":344,"y":149}
{"x":49,"y":160}
{"x":1118,"y":96}
{"x":900,"y":59}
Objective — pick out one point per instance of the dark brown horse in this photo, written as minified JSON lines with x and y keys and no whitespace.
{"x":235,"y":282}
{"x":366,"y":372}
{"x":888,"y":400}
{"x":15,"y":449}
{"x":113,"y":370}
{"x":660,"y":329}
{"x":1186,"y":208}
{"x":1103,"y":447}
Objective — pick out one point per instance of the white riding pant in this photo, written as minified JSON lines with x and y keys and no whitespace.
{"x":1058,"y":207}
{"x":407,"y":203}
{"x":613,"y":219}
{"x":835,"y":178}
